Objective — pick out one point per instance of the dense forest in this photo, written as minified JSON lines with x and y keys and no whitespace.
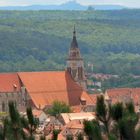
{"x":40,"y":40}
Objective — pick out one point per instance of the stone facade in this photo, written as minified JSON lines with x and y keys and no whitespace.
{"x":75,"y":64}
{"x":6,"y":98}
{"x":18,"y":98}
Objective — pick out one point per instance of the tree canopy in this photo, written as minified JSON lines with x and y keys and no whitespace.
{"x":40,"y":40}
{"x":59,"y":107}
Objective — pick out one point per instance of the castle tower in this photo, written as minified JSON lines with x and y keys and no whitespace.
{"x":75,"y":64}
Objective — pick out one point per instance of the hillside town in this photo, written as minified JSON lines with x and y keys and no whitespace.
{"x":42,"y":91}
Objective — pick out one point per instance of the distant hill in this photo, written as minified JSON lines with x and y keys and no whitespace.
{"x":71,"y":5}
{"x":108,"y":7}
{"x":40,"y":40}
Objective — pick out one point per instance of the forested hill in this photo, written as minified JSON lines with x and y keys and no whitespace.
{"x":39,"y":40}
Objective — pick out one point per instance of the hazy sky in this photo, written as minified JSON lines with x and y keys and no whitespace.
{"x":130,"y":3}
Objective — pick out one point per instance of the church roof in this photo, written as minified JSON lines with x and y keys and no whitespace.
{"x":9,"y":82}
{"x":74,"y":43}
{"x":46,"y":87}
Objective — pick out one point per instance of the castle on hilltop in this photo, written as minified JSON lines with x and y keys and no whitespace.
{"x":40,"y":89}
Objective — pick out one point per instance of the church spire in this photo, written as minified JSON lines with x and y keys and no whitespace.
{"x":74,"y":43}
{"x":75,"y":64}
{"x":74,"y":32}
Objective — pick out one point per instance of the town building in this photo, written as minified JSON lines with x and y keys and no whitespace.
{"x":10,"y":90}
{"x":65,"y":118}
{"x":40,"y":89}
{"x":73,"y":129}
{"x":124,"y":95}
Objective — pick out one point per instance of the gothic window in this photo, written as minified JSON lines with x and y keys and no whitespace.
{"x":74,"y":54}
{"x":69,"y":70}
{"x":80,"y":73}
{"x":74,"y":73}
{"x":3,"y":107}
{"x":7,"y":95}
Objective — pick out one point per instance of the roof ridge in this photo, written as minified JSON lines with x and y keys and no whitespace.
{"x":56,"y":91}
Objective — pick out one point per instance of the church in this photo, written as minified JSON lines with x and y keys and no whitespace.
{"x":40,"y":89}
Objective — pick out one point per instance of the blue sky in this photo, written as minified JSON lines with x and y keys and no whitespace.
{"x":129,"y":3}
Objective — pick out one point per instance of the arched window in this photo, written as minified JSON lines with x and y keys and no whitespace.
{"x":80,"y":72}
{"x":3,"y":107}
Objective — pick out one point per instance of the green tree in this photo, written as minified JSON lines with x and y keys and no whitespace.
{"x":116,"y":114}
{"x":5,"y":130}
{"x":2,"y":134}
{"x":55,"y":134}
{"x":112,"y":137}
{"x":80,"y":136}
{"x":117,"y":111}
{"x":15,"y":120}
{"x":103,"y":112}
{"x":127,"y":126}
{"x":14,"y":125}
{"x":92,"y":129}
{"x":130,"y":108}
{"x":42,"y":138}
{"x":137,"y":134}
{"x":69,"y":137}
{"x":32,"y":122}
{"x":59,"y":107}
{"x":126,"y":120}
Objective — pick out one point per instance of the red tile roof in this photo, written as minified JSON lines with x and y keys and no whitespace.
{"x":76,"y":109}
{"x":46,"y":87}
{"x":94,"y":98}
{"x":75,"y":124}
{"x":74,"y":127}
{"x":124,"y":95}
{"x":136,"y":96}
{"x":9,"y":82}
{"x":36,"y":112}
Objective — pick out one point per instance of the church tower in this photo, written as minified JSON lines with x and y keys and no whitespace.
{"x":75,"y":64}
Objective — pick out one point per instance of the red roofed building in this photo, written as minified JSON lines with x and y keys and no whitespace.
{"x":9,"y":82}
{"x":73,"y":128}
{"x":10,"y":88}
{"x":94,"y":97}
{"x":124,"y":95}
{"x":41,"y":89}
